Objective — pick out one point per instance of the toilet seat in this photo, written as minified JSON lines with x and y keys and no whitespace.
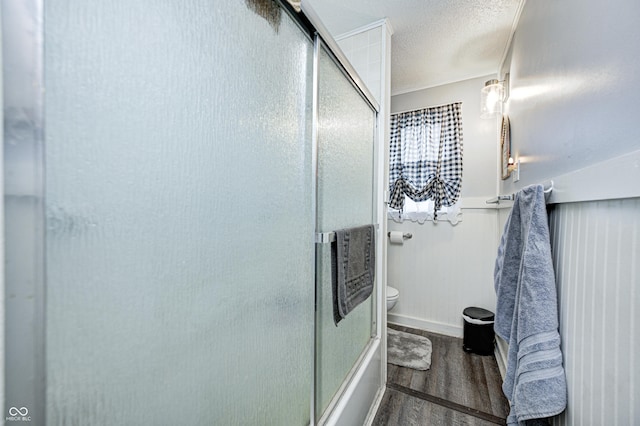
{"x":392,"y":293}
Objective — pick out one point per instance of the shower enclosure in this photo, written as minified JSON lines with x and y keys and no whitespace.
{"x":166,"y":199}
{"x":346,"y":133}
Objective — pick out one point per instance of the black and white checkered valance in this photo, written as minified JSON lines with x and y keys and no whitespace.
{"x":426,"y":156}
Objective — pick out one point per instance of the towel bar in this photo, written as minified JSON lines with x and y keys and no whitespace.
{"x":496,"y":200}
{"x":329,"y":237}
{"x":325,"y":237}
{"x":548,"y":187}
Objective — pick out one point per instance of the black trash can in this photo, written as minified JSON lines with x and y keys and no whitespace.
{"x":479,"y":337}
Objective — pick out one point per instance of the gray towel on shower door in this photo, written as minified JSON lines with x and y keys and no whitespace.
{"x":353,"y":265}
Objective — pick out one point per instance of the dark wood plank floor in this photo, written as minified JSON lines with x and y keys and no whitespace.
{"x":459,"y":389}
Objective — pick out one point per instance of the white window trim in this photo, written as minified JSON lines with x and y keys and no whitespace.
{"x":422,"y":211}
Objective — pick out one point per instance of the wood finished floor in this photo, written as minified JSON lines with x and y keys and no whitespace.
{"x":458,"y":389}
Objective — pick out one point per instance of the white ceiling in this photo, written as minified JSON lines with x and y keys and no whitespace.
{"x":434,"y":42}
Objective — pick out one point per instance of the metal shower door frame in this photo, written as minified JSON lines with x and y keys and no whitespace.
{"x":323,"y":40}
{"x":24,"y":209}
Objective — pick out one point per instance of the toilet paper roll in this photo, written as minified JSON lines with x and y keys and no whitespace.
{"x":396,"y":237}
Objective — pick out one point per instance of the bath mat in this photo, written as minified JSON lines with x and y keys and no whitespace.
{"x":408,"y":350}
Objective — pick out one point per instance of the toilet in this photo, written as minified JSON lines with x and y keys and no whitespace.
{"x":392,"y":297}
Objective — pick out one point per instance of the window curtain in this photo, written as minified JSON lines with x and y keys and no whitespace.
{"x":426,"y":156}
{"x":424,"y":211}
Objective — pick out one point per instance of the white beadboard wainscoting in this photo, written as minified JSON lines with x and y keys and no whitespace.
{"x":596,"y":250}
{"x":442,"y":270}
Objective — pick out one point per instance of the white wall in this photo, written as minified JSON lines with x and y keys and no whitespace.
{"x":445,"y":268}
{"x":364,"y":48}
{"x":442,"y":270}
{"x":575,"y":86}
{"x":575,"y":95}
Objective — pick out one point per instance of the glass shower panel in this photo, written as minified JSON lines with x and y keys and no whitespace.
{"x":179,"y":222}
{"x":346,"y":131}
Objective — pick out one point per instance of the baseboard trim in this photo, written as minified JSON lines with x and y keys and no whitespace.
{"x":501,"y":356}
{"x":423,"y":324}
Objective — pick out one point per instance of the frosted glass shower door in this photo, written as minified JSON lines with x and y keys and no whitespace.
{"x":179,"y":242}
{"x":346,"y":136}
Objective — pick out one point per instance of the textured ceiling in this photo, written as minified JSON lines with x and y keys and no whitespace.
{"x":435,"y":41}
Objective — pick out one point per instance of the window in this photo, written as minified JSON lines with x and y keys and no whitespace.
{"x":426,"y":164}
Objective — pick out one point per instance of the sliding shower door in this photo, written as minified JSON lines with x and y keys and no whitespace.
{"x":179,"y":225}
{"x":345,"y":198}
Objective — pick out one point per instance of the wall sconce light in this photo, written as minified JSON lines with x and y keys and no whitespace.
{"x":491,"y":98}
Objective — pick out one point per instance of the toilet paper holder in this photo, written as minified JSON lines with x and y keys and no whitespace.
{"x":405,"y":235}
